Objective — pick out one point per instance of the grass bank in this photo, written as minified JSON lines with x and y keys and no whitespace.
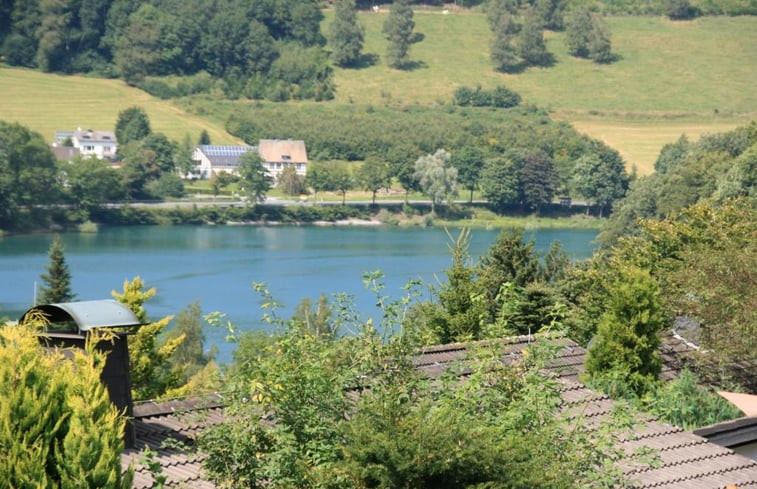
{"x":48,"y":102}
{"x":670,"y":78}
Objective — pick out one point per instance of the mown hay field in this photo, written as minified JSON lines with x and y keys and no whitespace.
{"x":48,"y":102}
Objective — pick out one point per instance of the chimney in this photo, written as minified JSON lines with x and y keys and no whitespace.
{"x":68,"y":326}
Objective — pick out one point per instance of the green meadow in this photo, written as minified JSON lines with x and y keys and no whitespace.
{"x":48,"y":102}
{"x":670,"y":78}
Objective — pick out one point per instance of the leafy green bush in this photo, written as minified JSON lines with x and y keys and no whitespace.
{"x":683,"y":402}
{"x":500,"y":97}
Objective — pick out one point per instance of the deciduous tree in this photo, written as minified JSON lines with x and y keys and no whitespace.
{"x":374,"y":175}
{"x":587,"y":36}
{"x":436,"y":177}
{"x":132,"y":124}
{"x":290,"y":182}
{"x":503,"y":52}
{"x":533,"y":51}
{"x":469,"y":162}
{"x":92,"y":182}
{"x":599,"y":181}
{"x":28,"y":175}
{"x":253,"y":177}
{"x":341,"y":180}
{"x":500,"y":184}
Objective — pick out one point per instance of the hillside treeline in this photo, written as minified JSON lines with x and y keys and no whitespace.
{"x":498,"y":151}
{"x":714,"y":168}
{"x":615,"y":7}
{"x":260,"y":46}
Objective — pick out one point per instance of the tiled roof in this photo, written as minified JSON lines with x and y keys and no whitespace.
{"x":686,"y":461}
{"x":169,"y":430}
{"x":282,"y":151}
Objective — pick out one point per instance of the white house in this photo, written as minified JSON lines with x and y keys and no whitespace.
{"x":277,"y":154}
{"x":98,"y":144}
{"x":209,"y":159}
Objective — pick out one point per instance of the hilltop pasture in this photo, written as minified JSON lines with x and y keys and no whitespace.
{"x":670,"y":78}
{"x":48,"y":102}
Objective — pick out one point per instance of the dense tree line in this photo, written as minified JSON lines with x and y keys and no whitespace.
{"x":516,"y":156}
{"x":254,"y":47}
{"x":718,"y":166}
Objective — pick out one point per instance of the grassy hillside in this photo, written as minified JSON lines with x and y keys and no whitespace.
{"x":671,"y":77}
{"x":47,"y":103}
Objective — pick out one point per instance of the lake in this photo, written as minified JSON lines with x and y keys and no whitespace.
{"x":218,"y":264}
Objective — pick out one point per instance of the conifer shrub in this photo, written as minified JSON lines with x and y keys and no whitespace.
{"x":58,"y":427}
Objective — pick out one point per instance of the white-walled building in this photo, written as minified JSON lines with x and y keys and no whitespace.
{"x":276,"y":155}
{"x":209,"y":159}
{"x":89,"y":143}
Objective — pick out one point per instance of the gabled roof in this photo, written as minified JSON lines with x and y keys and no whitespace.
{"x":686,"y":461}
{"x":91,"y":136}
{"x":282,"y":151}
{"x":224,"y":156}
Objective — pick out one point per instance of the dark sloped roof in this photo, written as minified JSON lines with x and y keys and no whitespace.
{"x":169,"y":429}
{"x":687,"y":461}
{"x":224,"y":156}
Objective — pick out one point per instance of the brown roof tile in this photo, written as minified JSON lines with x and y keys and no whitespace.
{"x":687,"y":461}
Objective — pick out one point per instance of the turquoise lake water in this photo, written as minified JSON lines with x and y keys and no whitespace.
{"x":218,"y":264}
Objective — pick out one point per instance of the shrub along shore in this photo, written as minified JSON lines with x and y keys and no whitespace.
{"x":553,"y":216}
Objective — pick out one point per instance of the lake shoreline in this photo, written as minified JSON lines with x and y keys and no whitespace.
{"x":408,"y":216}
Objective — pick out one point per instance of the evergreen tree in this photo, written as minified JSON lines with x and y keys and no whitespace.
{"x":624,"y":359}
{"x":57,"y":280}
{"x":347,"y":34}
{"x":152,"y":373}
{"x":538,"y":179}
{"x":204,"y":138}
{"x":398,"y":30}
{"x":504,"y":54}
{"x":587,"y":36}
{"x":532,"y":47}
